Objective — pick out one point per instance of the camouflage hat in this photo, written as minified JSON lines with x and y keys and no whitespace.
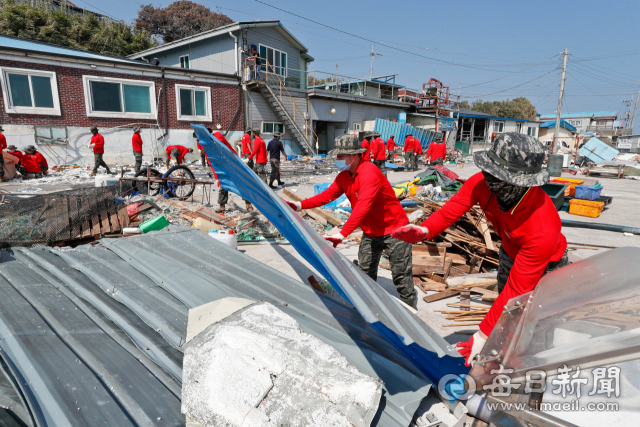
{"x":92,"y":128}
{"x":30,"y":149}
{"x":276,"y":134}
{"x":256,"y":130}
{"x":514,"y":158}
{"x":346,"y":144}
{"x":392,"y":136}
{"x":12,"y":147}
{"x":136,"y":129}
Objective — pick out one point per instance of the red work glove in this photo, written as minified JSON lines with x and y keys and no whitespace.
{"x":217,"y":183}
{"x":410,"y":233}
{"x":296,"y":206}
{"x":470,"y":349}
{"x":335,"y":240}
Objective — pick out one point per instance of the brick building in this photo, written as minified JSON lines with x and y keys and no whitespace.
{"x":51,"y":96}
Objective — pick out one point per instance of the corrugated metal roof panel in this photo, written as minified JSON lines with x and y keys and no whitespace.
{"x":598,"y":151}
{"x":427,"y":350}
{"x":75,"y":323}
{"x":401,"y":130}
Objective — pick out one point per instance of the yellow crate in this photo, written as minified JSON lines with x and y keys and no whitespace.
{"x":585,"y":208}
{"x":571,"y":183}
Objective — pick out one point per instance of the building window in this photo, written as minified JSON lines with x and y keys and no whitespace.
{"x":120,"y":98}
{"x":184,"y":61}
{"x":276,"y":58}
{"x":519,"y":127}
{"x":30,"y":92}
{"x":193,"y":103}
{"x":498,"y":127}
{"x":577,"y":123}
{"x":531,"y":131}
{"x":270,"y":127}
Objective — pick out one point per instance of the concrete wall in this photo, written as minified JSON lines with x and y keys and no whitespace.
{"x":546,"y":134}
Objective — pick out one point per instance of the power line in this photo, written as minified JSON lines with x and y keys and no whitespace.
{"x":535,"y":65}
{"x":522,"y":84}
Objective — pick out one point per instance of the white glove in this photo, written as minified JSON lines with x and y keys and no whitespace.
{"x":296,"y":206}
{"x":335,"y":239}
{"x":470,"y":349}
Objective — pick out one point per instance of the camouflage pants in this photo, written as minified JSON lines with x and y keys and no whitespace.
{"x":389,"y":156}
{"x":506,"y":264}
{"x":99,"y":162}
{"x":1,"y":164}
{"x":437,"y":162}
{"x":408,"y":160}
{"x":223,"y":196}
{"x":380,"y":165}
{"x":401,"y":260}
{"x":275,"y":170}
{"x":415,"y":162}
{"x":259,"y":170}
{"x":138,"y":157}
{"x":250,"y":162}
{"x":203,"y":157}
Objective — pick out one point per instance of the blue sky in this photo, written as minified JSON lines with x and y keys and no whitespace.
{"x":466,"y":43}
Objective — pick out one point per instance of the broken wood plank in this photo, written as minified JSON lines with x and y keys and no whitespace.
{"x":484,"y":229}
{"x":95,"y":222}
{"x":115,"y":223}
{"x":470,"y":305}
{"x":440,"y":295}
{"x":315,"y":215}
{"x":123,"y":218}
{"x":462,"y":324}
{"x":489,"y":298}
{"x":105,"y":227}
{"x":76,"y":229}
{"x":472,"y":279}
{"x":465,"y":298}
{"x":330,"y":218}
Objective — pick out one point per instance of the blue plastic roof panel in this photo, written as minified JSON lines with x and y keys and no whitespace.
{"x":552,"y":124}
{"x":597,"y":151}
{"x":582,"y":114}
{"x":427,"y":350}
{"x":401,"y":130}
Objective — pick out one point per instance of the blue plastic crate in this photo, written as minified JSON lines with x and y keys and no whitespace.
{"x":319,"y":188}
{"x":587,"y":192}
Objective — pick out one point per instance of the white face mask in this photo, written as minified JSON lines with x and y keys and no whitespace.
{"x":342,"y":165}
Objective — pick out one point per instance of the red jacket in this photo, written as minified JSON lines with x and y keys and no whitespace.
{"x":136,"y":141}
{"x":16,"y":153}
{"x":367,"y":146}
{"x":3,"y":142}
{"x":377,"y":149}
{"x":408,"y":144}
{"x":437,"y":151}
{"x":32,"y":162}
{"x":98,"y":143}
{"x":530,"y":232}
{"x":246,"y":144}
{"x":391,"y":144}
{"x":182,"y":151}
{"x":376,"y":209}
{"x":259,"y":150}
{"x":417,"y":146}
{"x":198,"y":144}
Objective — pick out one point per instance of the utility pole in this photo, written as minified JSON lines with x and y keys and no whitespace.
{"x":556,"y":133}
{"x":372,"y":55}
{"x":635,"y":109}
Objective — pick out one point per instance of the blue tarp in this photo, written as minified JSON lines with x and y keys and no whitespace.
{"x":597,"y":151}
{"x":427,"y":350}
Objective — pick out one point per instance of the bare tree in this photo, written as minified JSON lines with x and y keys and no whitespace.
{"x":180,"y":19}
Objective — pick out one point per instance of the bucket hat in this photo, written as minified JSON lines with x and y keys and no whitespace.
{"x":30,"y":149}
{"x":277,"y":134}
{"x":514,"y":158}
{"x":136,"y":129}
{"x":12,"y":147}
{"x":346,"y":144}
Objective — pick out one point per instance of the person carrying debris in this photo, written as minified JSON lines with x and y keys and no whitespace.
{"x":391,"y":147}
{"x":32,"y":162}
{"x":379,"y":153}
{"x":97,"y":141}
{"x":417,"y":145}
{"x":437,"y":152}
{"x":3,"y":145}
{"x":274,"y":148}
{"x":409,"y":152}
{"x":509,"y":192}
{"x":376,"y":210}
{"x":246,"y":147}
{"x":178,"y":152}
{"x":136,"y":142}
{"x":260,"y":153}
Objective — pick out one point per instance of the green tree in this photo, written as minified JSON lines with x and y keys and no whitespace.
{"x":44,"y":22}
{"x":519,"y":108}
{"x":182,"y":18}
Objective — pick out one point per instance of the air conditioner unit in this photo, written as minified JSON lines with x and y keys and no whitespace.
{"x":356,"y":126}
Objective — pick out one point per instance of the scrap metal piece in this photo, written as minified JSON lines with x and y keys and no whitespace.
{"x":429,"y":352}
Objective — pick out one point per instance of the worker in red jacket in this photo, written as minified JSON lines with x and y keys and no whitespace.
{"x":97,"y":141}
{"x":32,"y":162}
{"x":409,"y":152}
{"x":509,"y":192}
{"x":246,"y":147}
{"x":136,"y":143}
{"x":13,"y":150}
{"x":178,"y":152}
{"x":376,"y":210}
{"x":260,"y":154}
{"x":391,"y":146}
{"x":417,"y":145}
{"x":437,"y":152}
{"x":3,"y":145}
{"x":379,"y":153}
{"x":367,"y":149}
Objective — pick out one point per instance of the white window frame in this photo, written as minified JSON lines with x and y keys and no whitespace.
{"x":10,"y":109}
{"x":273,"y":123}
{"x":180,"y":62}
{"x":577,"y":123}
{"x":274,"y":65}
{"x":498,"y":123}
{"x":123,"y":115}
{"x":207,"y":90}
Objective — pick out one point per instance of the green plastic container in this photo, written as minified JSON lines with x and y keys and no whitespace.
{"x":463,"y":146}
{"x":157,"y":223}
{"x":554,"y":165}
{"x":556,"y":193}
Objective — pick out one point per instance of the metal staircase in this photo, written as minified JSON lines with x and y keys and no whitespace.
{"x":284,"y":115}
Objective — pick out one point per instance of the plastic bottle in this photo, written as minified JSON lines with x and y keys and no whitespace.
{"x":225,"y":236}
